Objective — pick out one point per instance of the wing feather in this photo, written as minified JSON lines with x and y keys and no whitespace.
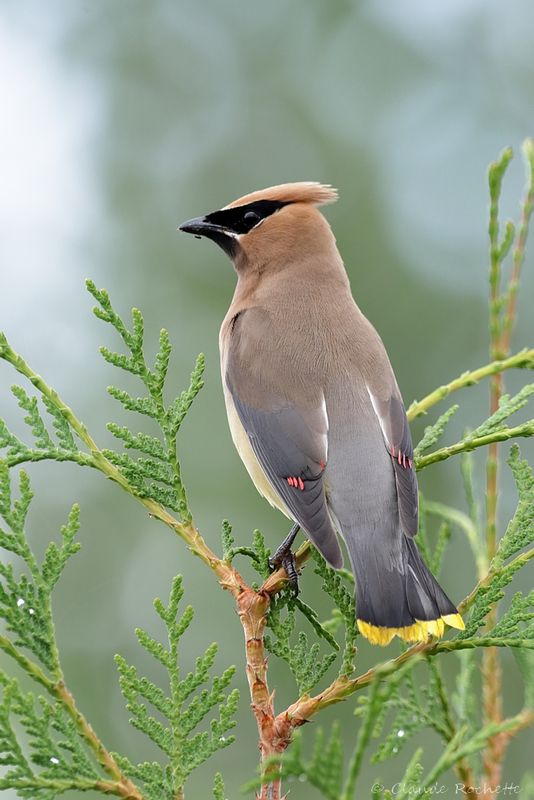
{"x":288,"y":434}
{"x":396,"y":431}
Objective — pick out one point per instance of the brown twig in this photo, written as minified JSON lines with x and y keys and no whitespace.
{"x":491,"y":667}
{"x":274,"y":734}
{"x":125,"y":787}
{"x":341,"y":688}
{"x":500,"y":339}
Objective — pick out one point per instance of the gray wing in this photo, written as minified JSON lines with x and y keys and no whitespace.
{"x":396,"y":431}
{"x":286,"y":424}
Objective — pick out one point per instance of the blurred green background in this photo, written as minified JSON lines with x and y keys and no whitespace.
{"x":120,"y":119}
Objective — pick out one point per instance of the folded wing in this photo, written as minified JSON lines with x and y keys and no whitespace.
{"x":286,"y":424}
{"x":396,"y":431}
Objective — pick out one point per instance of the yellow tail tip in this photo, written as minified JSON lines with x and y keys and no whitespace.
{"x":419,"y":631}
{"x":455,"y":621}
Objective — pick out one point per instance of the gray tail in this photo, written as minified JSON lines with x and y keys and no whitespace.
{"x":395,"y":590}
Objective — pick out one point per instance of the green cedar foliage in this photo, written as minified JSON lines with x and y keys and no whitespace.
{"x":395,"y":707}
{"x":25,"y":599}
{"x":47,"y":747}
{"x":344,"y":611}
{"x":51,"y":756}
{"x":516,"y":626}
{"x":434,"y":432}
{"x":56,"y":755}
{"x":156,"y":472}
{"x":304,"y":660}
{"x":183,"y":707}
{"x":46,"y":445}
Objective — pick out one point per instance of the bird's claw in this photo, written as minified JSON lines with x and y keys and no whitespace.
{"x":285,"y":558}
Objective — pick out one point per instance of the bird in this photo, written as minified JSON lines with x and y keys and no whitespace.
{"x":315,"y":411}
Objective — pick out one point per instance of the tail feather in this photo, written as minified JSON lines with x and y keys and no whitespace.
{"x":424,"y":594}
{"x":396,"y":594}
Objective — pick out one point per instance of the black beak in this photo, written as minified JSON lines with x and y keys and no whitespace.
{"x":201,"y":226}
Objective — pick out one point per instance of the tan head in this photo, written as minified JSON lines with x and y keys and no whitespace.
{"x":270,"y":226}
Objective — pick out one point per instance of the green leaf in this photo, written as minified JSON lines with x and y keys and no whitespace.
{"x":518,"y":620}
{"x":415,"y":706}
{"x":520,"y":530}
{"x":33,"y":418}
{"x":218,"y":787}
{"x":56,"y":753}
{"x":262,"y":554}
{"x":313,"y":619}
{"x":56,"y":557}
{"x":142,"y":405}
{"x":434,"y":432}
{"x":162,"y":466}
{"x":507,"y":406}
{"x":61,"y":425}
{"x":486,"y":597}
{"x":25,"y":602}
{"x":150,"y":445}
{"x":344,"y":601}
{"x":161,"y":365}
{"x":464,"y":699}
{"x":181,"y":709}
{"x":43,"y":447}
{"x":179,"y":408}
{"x":228,"y":541}
{"x":525,"y":662}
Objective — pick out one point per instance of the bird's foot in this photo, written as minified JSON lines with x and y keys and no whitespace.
{"x":287,"y":561}
{"x":284,"y":557}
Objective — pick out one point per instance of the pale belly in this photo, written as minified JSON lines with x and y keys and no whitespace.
{"x":248,"y":457}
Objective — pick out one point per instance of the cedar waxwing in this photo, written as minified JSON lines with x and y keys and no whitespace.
{"x":314,"y":408}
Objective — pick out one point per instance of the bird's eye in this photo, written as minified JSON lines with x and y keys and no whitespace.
{"x":251,"y":218}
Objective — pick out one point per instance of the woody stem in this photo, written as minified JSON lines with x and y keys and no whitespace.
{"x":273,"y":736}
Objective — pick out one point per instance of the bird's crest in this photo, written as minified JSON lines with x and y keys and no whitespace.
{"x":316,"y":194}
